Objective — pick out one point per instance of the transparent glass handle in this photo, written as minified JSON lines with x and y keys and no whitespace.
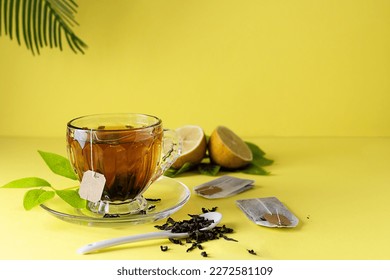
{"x":171,"y":149}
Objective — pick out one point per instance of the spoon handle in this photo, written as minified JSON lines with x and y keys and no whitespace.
{"x":127,"y":239}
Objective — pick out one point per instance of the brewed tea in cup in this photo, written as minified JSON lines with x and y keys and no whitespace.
{"x":130,"y":151}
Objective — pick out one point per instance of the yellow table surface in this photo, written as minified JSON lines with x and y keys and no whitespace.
{"x":339,"y":188}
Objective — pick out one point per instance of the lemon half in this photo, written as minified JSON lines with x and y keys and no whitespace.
{"x":228,"y":150}
{"x":194,"y":145}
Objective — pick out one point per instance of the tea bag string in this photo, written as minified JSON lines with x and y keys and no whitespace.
{"x":277,"y":214}
{"x":90,"y":144}
{"x":269,"y":211}
{"x":265,"y":207}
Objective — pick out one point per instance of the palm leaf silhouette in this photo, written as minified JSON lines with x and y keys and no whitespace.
{"x":40,"y":23}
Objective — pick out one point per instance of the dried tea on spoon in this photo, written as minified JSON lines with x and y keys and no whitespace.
{"x":193,"y":226}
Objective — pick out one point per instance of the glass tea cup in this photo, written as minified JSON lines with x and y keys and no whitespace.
{"x":130,"y":151}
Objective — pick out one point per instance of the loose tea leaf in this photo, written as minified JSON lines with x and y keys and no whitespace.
{"x":35,"y":197}
{"x":176,"y":241}
{"x":58,"y":164}
{"x":252,"y":252}
{"x":28,"y":182}
{"x":111,"y":216}
{"x":164,"y":248}
{"x":153,"y":199}
{"x":213,"y":209}
{"x":193,"y":246}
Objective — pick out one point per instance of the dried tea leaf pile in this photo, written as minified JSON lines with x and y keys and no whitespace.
{"x":193,"y":227}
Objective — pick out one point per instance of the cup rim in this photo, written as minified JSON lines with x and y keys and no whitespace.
{"x":157,"y":122}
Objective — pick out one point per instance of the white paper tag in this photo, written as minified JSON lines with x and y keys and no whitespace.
{"x":81,"y":136}
{"x":92,"y":185}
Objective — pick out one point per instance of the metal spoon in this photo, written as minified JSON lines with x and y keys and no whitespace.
{"x":214,"y":216}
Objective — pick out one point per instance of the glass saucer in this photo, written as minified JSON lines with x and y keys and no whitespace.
{"x":165,"y":197}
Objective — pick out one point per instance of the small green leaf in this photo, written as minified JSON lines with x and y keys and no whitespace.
{"x":258,"y":155}
{"x":72,"y":197}
{"x":262,"y":161}
{"x":171,"y":172}
{"x":58,"y":164}
{"x":28,"y":182}
{"x":256,"y":151}
{"x":35,"y":197}
{"x":208,"y":169}
{"x":254,"y":170}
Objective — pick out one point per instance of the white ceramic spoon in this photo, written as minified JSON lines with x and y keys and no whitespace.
{"x":214,"y":216}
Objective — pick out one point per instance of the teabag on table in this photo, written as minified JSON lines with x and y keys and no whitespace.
{"x":223,"y":187}
{"x":268,"y":211}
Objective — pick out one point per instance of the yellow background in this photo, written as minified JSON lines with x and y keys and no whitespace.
{"x":260,"y":67}
{"x":277,"y":72}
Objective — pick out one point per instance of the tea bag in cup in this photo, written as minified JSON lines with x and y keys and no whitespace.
{"x":117,"y":157}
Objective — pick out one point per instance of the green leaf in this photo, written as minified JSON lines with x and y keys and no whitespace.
{"x":35,"y":197}
{"x":72,"y":197}
{"x":28,"y":182}
{"x":58,"y":164}
{"x":254,"y":170}
{"x":171,"y":172}
{"x":208,"y":169}
{"x":258,"y":155}
{"x":41,"y":23}
{"x":256,"y":151}
{"x":262,"y":161}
